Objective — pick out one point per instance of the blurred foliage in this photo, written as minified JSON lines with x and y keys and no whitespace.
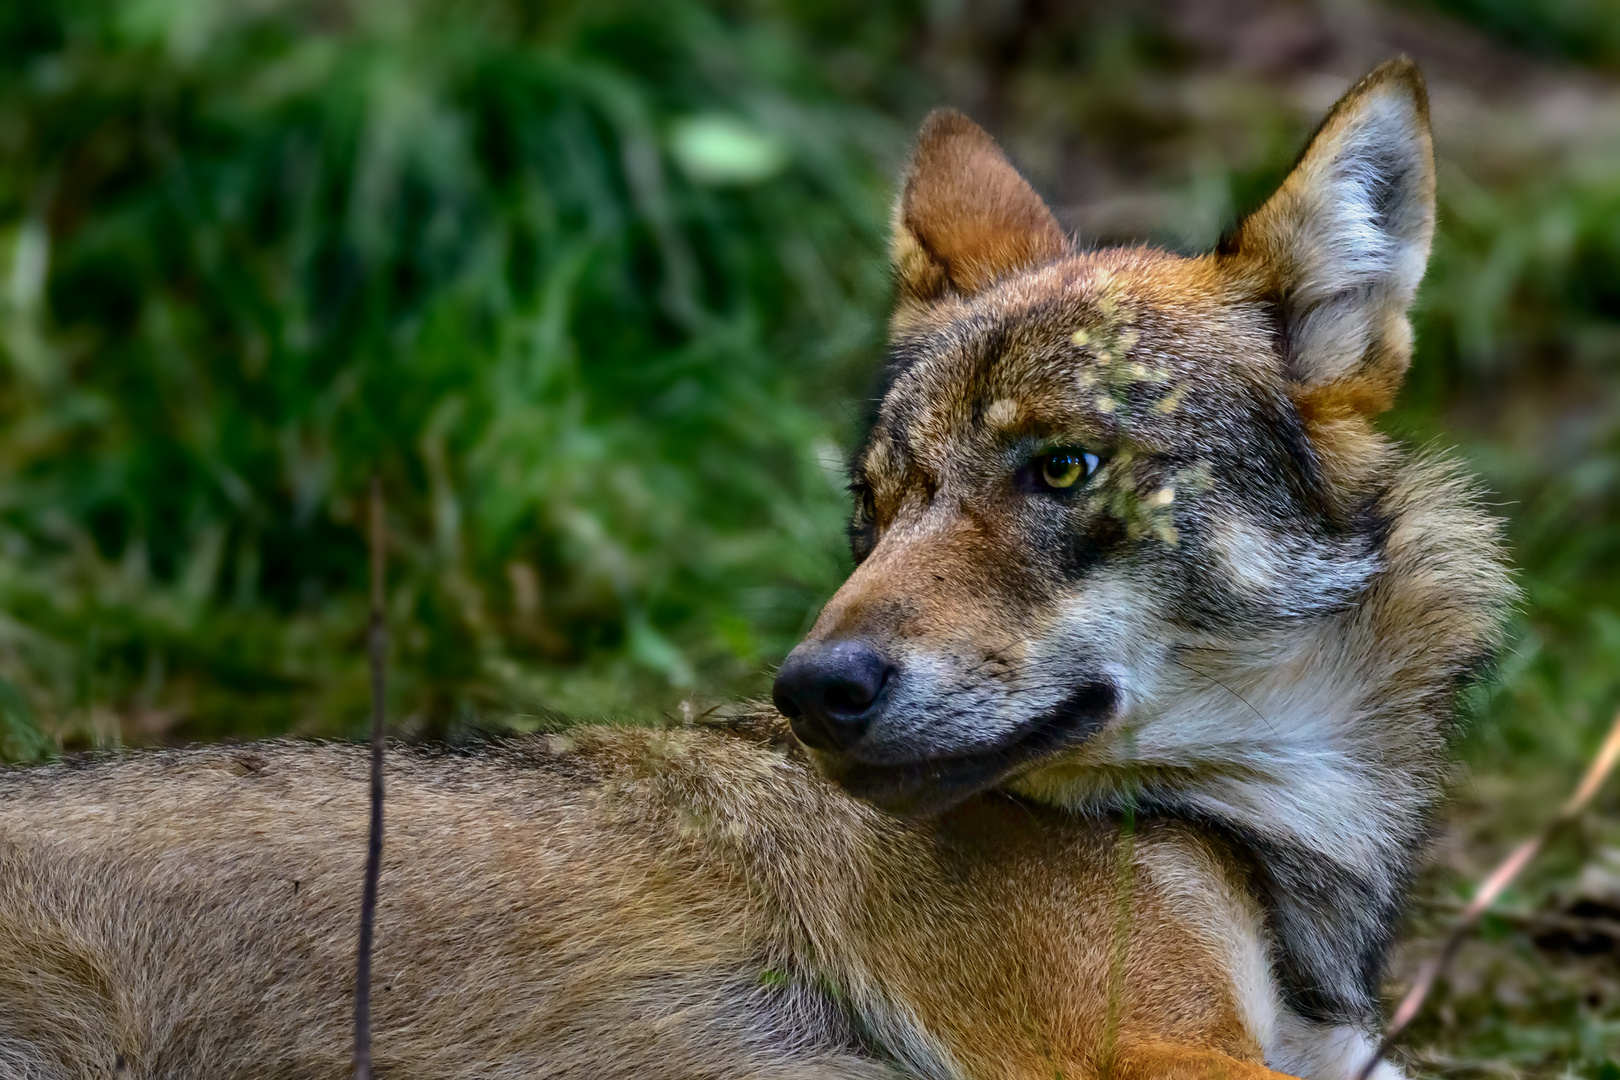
{"x":562,"y":272}
{"x":597,"y":287}
{"x":1586,"y":31}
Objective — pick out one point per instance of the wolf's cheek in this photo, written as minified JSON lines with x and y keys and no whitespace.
{"x":1109,"y":628}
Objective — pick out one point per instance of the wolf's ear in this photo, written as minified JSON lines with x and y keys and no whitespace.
{"x":1341,"y":247}
{"x":965,"y":218}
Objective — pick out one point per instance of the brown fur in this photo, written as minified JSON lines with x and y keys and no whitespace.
{"x":612,"y":903}
{"x":965,"y":217}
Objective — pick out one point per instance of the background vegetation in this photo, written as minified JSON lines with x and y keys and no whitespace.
{"x":598,"y":288}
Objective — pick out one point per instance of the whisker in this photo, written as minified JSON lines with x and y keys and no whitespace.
{"x":1206,"y":675}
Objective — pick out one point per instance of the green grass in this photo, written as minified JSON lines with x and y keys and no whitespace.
{"x":581,"y":281}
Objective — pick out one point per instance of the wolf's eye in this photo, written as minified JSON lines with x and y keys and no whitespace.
{"x":1064,"y":468}
{"x":863,"y":524}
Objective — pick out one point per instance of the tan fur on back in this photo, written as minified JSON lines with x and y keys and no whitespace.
{"x":614,"y":903}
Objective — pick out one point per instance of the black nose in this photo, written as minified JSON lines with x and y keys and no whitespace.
{"x":828,"y":692}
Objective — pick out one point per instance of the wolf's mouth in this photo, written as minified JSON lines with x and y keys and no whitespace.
{"x":933,"y":785}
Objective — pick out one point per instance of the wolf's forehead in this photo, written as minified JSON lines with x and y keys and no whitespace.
{"x":1002,"y":379}
{"x":1079,"y":362}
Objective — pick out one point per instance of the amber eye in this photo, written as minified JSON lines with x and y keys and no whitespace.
{"x":1065,"y":468}
{"x":869,"y":505}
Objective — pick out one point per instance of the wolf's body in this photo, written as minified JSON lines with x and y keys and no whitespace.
{"x":618,"y":903}
{"x":1128,"y":542}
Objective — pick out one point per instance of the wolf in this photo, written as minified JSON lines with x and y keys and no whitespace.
{"x":1112,"y":758}
{"x":1127,"y":533}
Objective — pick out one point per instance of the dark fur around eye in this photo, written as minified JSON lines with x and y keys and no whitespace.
{"x":862,"y":523}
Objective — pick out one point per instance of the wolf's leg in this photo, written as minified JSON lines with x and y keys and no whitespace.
{"x":1155,"y":1061}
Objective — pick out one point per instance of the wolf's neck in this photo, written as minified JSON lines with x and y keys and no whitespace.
{"x":1319,"y":750}
{"x":1321,"y":788}
{"x":1326,"y":787}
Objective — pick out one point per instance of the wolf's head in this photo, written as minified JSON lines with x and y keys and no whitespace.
{"x":1110,"y":495}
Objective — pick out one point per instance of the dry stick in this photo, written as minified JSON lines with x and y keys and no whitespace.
{"x":378,"y":643}
{"x":1490,"y":889}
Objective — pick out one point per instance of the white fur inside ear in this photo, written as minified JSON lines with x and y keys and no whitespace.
{"x":1363,"y":209}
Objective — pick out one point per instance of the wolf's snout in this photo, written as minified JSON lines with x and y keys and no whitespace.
{"x":829,"y":692}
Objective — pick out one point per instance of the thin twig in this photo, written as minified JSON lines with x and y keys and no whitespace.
{"x":1491,"y":888}
{"x":378,"y":643}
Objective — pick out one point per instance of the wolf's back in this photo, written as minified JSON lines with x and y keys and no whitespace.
{"x":621,"y":902}
{"x":194,"y":914}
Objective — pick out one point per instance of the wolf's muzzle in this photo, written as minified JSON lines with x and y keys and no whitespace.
{"x":835,"y":697}
{"x":829,"y":692}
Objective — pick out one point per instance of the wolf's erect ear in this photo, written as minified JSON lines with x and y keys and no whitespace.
{"x":965,"y":218}
{"x":1342,"y":245}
